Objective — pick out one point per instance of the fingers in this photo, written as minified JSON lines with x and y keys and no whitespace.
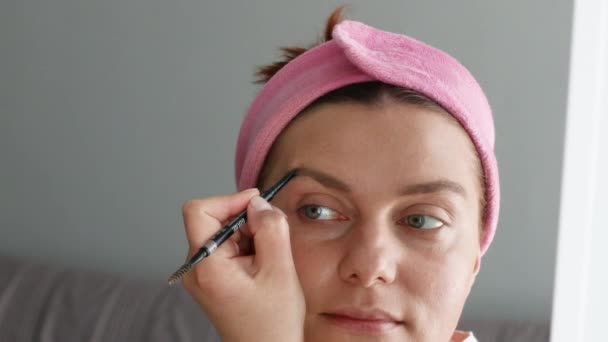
{"x":204,"y":217}
{"x":268,"y":274}
{"x":270,"y":230}
{"x":266,"y":234}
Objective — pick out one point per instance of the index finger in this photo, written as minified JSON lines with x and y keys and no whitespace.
{"x":204,"y":217}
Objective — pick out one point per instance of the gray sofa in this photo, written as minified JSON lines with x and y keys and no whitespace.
{"x":40,"y":302}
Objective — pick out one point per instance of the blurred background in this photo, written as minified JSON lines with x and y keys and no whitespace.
{"x":113,"y":113}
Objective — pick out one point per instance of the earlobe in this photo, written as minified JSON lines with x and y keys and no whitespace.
{"x":477,"y":265}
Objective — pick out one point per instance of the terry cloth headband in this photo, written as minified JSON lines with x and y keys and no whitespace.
{"x":359,"y":53}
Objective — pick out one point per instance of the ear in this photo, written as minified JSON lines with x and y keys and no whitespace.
{"x":476,"y":265}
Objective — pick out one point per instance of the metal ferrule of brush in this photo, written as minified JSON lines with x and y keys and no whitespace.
{"x":210,"y":246}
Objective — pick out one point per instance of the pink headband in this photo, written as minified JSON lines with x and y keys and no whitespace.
{"x":359,"y":53}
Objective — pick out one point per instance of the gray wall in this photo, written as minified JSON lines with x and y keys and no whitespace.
{"x":114,"y":112}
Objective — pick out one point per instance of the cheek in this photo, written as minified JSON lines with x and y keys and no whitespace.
{"x":316,"y":252}
{"x":437,"y":285}
{"x":315,"y":263}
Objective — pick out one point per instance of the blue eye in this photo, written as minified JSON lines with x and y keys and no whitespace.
{"x":317,"y":212}
{"x":419,"y":221}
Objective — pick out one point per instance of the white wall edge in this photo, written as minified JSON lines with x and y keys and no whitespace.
{"x":583,"y":157}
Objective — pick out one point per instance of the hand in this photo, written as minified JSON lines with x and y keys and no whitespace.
{"x":248,"y":297}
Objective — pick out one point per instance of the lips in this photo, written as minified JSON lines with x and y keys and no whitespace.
{"x":363,"y":321}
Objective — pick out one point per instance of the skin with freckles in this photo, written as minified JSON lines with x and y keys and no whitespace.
{"x":383,"y":221}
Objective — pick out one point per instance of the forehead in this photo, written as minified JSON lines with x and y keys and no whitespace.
{"x":377,"y":147}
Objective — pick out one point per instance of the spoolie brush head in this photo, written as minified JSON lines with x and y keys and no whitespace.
{"x":175,"y":277}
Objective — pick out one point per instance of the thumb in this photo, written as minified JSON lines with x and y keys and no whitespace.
{"x":270,"y":232}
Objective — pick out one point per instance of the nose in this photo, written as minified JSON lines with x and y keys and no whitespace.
{"x":371,"y":255}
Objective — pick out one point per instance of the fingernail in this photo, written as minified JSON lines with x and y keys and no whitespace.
{"x":259,"y":204}
{"x":250,"y":191}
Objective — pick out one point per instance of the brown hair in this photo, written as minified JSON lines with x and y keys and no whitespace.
{"x":265,"y":72}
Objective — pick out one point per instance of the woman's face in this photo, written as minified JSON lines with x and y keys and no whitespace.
{"x":384,"y":220}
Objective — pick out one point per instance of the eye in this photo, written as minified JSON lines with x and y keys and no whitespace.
{"x":420,"y":221}
{"x":317,"y":212}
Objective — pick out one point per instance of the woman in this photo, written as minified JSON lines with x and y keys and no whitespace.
{"x":381,"y":235}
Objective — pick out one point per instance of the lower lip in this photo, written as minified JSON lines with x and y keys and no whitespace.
{"x":361,"y":326}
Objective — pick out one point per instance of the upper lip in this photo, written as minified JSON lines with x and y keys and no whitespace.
{"x":365,"y":314}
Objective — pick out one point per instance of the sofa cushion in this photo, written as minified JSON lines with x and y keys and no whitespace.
{"x":48,"y":303}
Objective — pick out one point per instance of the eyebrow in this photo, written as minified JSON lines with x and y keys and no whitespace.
{"x":434,"y":186}
{"x":441,"y":185}
{"x":324,"y":178}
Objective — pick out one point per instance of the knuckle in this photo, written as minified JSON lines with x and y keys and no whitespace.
{"x":192,"y":207}
{"x":189,"y":283}
{"x":196,"y":284}
{"x":196,"y":279}
{"x":188,"y":206}
{"x":200,"y":279}
{"x":207,"y":287}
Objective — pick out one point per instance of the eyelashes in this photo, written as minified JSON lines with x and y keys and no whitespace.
{"x":320,"y":213}
{"x":421,"y":221}
{"x":315,"y":212}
